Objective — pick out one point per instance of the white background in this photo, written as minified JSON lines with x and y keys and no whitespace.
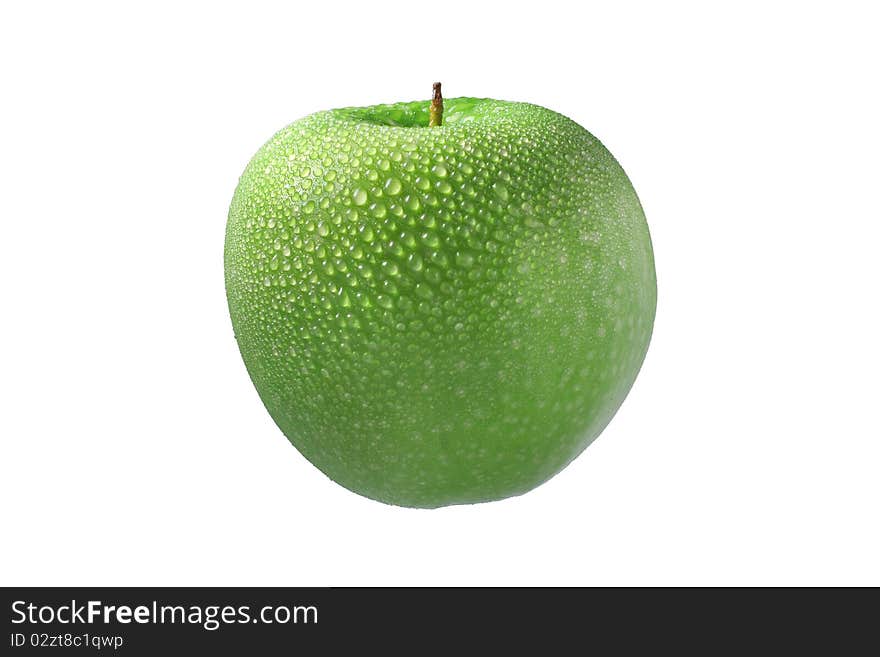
{"x":134,"y":447}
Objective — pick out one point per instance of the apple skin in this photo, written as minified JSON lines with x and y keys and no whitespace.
{"x":441,"y":315}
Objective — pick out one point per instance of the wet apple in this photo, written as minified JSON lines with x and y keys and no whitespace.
{"x":439,"y":302}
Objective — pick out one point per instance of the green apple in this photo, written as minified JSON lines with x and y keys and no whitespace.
{"x":439,"y":308}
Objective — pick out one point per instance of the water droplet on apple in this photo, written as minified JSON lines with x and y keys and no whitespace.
{"x":464,"y":259}
{"x":413,"y":203}
{"x":393,"y":186}
{"x":424,"y":291}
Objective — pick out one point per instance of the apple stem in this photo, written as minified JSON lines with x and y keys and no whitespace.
{"x":436,"y":112}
